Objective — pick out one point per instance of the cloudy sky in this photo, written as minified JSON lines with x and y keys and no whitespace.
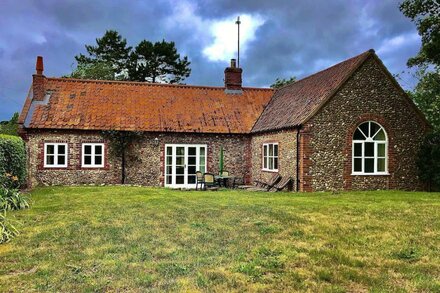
{"x":280,"y":38}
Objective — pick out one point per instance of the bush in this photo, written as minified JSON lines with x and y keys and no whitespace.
{"x":7,"y":230}
{"x":12,"y":159}
{"x":428,"y":161}
{"x":12,"y":199}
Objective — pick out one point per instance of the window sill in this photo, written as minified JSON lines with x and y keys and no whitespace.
{"x":370,"y":174}
{"x":55,"y":167}
{"x":92,"y":167}
{"x":270,"y":171}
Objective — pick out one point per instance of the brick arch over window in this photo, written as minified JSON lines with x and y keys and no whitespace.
{"x":348,"y":178}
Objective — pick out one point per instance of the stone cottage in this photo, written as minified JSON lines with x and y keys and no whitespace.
{"x":350,"y":126}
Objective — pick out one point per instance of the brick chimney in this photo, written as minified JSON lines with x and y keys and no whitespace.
{"x":39,"y":81}
{"x":233,"y":77}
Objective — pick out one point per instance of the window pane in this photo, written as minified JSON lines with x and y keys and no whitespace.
{"x":380,"y":165}
{"x":365,"y":128}
{"x":381,"y":150}
{"x":265,"y":151}
{"x":180,"y":151}
{"x":271,"y":150}
{"x":98,"y":160}
{"x":192,"y":151}
{"x":192,"y":170}
{"x":358,"y":165}
{"x":202,"y":160}
{"x":270,"y":163}
{"x":358,"y":149}
{"x":50,"y":160}
{"x":169,"y":160}
{"x":202,"y":151}
{"x":202,"y":168}
{"x":265,"y":162}
{"x":88,"y":149}
{"x":275,"y":163}
{"x":180,"y":161}
{"x":358,"y":135}
{"x":191,"y":160}
{"x":61,"y":160}
{"x":169,"y":170}
{"x":87,"y":160}
{"x":169,"y":151}
{"x":369,"y":149}
{"x":61,"y":149}
{"x":275,"y":150}
{"x":180,"y":170}
{"x":180,"y":179}
{"x":191,"y":179}
{"x":169,"y":180}
{"x":98,"y":149}
{"x":380,"y":135}
{"x":50,"y":149}
{"x":369,"y":165}
{"x":374,"y":128}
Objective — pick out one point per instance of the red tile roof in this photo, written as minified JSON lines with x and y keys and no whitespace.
{"x":105,"y":105}
{"x":293,"y":104}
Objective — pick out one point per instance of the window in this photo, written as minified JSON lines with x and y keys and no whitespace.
{"x":92,"y":155}
{"x":270,"y":156}
{"x":370,"y":150}
{"x":55,"y":155}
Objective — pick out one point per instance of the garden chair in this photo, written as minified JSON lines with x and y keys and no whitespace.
{"x":209,"y":182}
{"x":283,"y":183}
{"x":199,"y":180}
{"x":266,"y":186}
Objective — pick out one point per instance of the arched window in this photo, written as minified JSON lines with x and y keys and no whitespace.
{"x":370,"y":146}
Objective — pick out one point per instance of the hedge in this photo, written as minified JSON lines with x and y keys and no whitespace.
{"x":12,"y":158}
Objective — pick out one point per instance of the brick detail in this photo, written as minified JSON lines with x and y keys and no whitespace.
{"x":233,"y":78}
{"x":305,"y":153}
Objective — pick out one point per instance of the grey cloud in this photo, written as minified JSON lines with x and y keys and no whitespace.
{"x":298,"y":37}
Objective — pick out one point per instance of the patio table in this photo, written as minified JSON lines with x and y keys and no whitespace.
{"x":223,"y":179}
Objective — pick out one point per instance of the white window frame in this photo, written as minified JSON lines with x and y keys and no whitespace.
{"x":55,"y":154}
{"x":93,"y":155}
{"x":375,"y":155}
{"x":266,"y":158}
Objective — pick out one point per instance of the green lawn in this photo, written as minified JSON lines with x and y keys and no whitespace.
{"x":135,"y":239}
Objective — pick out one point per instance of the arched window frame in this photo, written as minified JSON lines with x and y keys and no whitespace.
{"x":360,"y":154}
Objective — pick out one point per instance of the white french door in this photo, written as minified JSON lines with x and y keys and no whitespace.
{"x":182,"y":161}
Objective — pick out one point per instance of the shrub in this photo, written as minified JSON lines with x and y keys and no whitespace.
{"x":7,"y":230}
{"x":12,"y":159}
{"x":12,"y":199}
{"x":428,"y":160}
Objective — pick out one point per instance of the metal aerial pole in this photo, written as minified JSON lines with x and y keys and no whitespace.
{"x":238,"y":22}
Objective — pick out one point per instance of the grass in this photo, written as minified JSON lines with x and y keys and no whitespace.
{"x":145,"y":239}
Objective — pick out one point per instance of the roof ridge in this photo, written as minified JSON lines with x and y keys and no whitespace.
{"x":141,"y":83}
{"x":328,"y":68}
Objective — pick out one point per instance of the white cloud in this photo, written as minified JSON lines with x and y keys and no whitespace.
{"x":224,"y":32}
{"x":391,"y":45}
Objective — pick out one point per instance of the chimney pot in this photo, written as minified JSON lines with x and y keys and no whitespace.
{"x":233,"y":63}
{"x":39,"y":66}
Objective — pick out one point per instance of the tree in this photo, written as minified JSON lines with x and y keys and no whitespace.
{"x":97,"y":70}
{"x":157,"y":61}
{"x":426,"y":95}
{"x":112,"y":59}
{"x":10,"y":127}
{"x":426,"y":15}
{"x":280,"y":82}
{"x":428,"y":161}
{"x":111,"y":49}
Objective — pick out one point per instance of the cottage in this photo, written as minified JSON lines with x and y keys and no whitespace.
{"x":350,"y":126}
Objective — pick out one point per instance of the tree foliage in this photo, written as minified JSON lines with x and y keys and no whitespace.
{"x":426,"y":95}
{"x":426,"y":15}
{"x":10,"y":127}
{"x":428,"y":160}
{"x":111,"y":58}
{"x":280,"y":82}
{"x":157,"y":62}
{"x":12,"y":159}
